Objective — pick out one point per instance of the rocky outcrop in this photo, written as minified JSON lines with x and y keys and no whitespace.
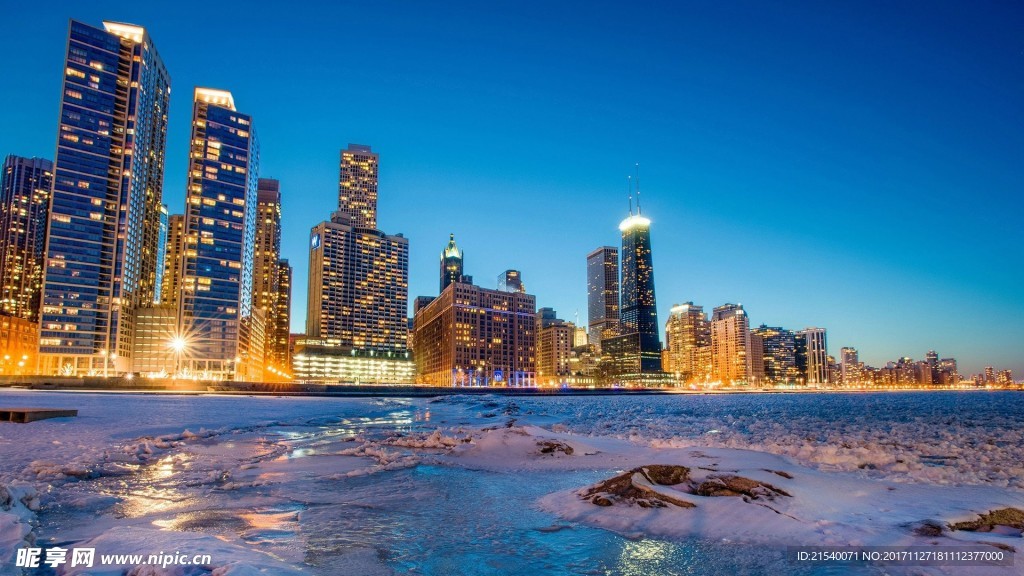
{"x":658,"y":485}
{"x":730,"y":485}
{"x":646,"y":486}
{"x":552,"y":446}
{"x":1010,"y":517}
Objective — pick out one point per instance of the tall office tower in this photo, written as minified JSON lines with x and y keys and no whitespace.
{"x":266,"y":273}
{"x":554,"y":348}
{"x":635,"y":354}
{"x":472,"y":336}
{"x":170,"y":291}
{"x":358,"y":283}
{"x":849,"y":367}
{"x":358,"y":287}
{"x":101,"y":248}
{"x":686,"y":331}
{"x":511,"y":281}
{"x":357,"y":186}
{"x":812,"y":356}
{"x":24,"y":204}
{"x":161,"y":254}
{"x":756,"y":359}
{"x":731,"y":361}
{"x":451,"y":263}
{"x":280,"y":349}
{"x":216,"y":311}
{"x":948,"y":373}
{"x":779,"y":354}
{"x":602,"y":294}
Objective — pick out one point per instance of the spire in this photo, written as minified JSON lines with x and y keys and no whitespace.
{"x":451,"y":250}
{"x":629,"y":189}
{"x":637,"y":188}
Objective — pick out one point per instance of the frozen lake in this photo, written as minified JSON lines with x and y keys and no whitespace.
{"x":462,"y":485}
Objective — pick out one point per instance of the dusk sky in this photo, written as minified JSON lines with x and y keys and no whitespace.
{"x":857,"y":166}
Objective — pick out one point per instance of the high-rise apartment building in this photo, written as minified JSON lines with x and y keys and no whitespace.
{"x":102,"y":244}
{"x":267,"y":275}
{"x":216,"y":301}
{"x":812,"y":356}
{"x":358,"y":277}
{"x":554,"y":348}
{"x":174,"y":247}
{"x":602,"y":294}
{"x":452,"y":260}
{"x":357,"y":186}
{"x":280,"y":348}
{"x":473,"y":336}
{"x":24,"y":205}
{"x":779,"y":354}
{"x":731,"y":358}
{"x":687,"y":332}
{"x":161,"y":254}
{"x":849,"y":367}
{"x":635,"y":354}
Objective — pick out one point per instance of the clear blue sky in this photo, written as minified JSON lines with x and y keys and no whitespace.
{"x":857,"y":165}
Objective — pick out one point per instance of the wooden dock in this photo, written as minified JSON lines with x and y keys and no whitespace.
{"x":25,"y":415}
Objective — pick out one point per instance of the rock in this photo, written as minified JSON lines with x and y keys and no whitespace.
{"x":928,"y":529}
{"x":785,"y":475}
{"x":729,"y":485}
{"x":552,"y":446}
{"x":1011,"y":517}
{"x":639,"y":487}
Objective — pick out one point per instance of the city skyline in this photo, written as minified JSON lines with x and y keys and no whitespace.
{"x":917,"y":306}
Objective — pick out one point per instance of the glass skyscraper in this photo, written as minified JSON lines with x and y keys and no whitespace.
{"x":215,"y":310}
{"x":104,"y":224}
{"x":161,"y":254}
{"x":24,"y":204}
{"x":635,"y":353}
{"x":602,"y":293}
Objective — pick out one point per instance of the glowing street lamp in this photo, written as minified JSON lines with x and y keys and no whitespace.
{"x":178,"y":344}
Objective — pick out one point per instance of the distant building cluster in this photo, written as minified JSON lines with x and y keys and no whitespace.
{"x":98,"y":277}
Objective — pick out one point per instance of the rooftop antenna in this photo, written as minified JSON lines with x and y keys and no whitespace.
{"x":637,"y":188}
{"x":629,"y":188}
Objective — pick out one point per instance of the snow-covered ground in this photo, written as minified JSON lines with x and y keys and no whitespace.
{"x":493,"y":485}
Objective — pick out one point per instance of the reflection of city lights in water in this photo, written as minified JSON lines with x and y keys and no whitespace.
{"x":644,"y":557}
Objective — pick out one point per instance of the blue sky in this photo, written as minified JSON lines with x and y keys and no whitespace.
{"x":857,"y":166}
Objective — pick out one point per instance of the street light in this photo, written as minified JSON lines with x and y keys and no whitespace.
{"x":178,"y":345}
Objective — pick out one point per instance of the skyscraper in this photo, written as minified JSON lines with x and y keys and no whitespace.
{"x":24,"y":205}
{"x":171,"y":289}
{"x":358,"y":280}
{"x":451,"y":263}
{"x":357,"y":186}
{"x":849,"y":365}
{"x":602,"y":293}
{"x":511,"y":281}
{"x":267,"y":275}
{"x":731,"y":358}
{"x":216,"y":311}
{"x":280,"y":347}
{"x":161,"y":254}
{"x":554,"y":347}
{"x":779,"y":354}
{"x":812,"y":356}
{"x":104,"y":225}
{"x":635,"y":354}
{"x":688,"y":336}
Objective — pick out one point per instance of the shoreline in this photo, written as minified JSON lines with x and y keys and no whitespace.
{"x":249,"y":389}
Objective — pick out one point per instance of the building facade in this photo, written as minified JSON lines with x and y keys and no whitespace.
{"x":271,"y":282}
{"x":25,"y":186}
{"x":779,"y":354}
{"x":812,"y":356}
{"x":473,"y":336}
{"x":216,"y":300}
{"x":602,"y":294}
{"x":102,"y":244}
{"x":688,"y":340}
{"x":170,"y":292}
{"x":554,"y":348}
{"x":161,"y":254}
{"x":731,"y":358}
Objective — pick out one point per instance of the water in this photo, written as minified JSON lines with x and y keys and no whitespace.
{"x":281,"y":491}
